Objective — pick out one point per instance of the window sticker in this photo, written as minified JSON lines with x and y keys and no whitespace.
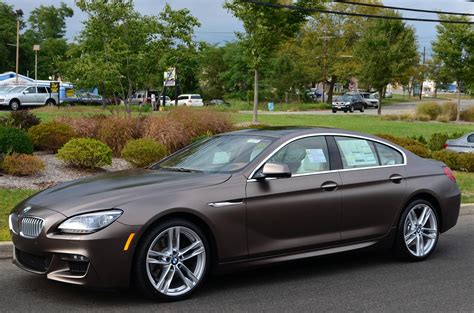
{"x":357,"y":153}
{"x":316,"y":155}
{"x":253,"y":140}
{"x":221,"y":158}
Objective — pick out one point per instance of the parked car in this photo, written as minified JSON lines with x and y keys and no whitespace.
{"x":233,"y":201}
{"x":190,"y":100}
{"x":20,"y":96}
{"x":370,"y":100}
{"x":217,"y":102}
{"x":349,"y":102}
{"x":462,"y":144}
{"x":139,"y":98}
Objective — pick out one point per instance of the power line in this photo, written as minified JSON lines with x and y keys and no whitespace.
{"x":402,"y":9}
{"x":317,"y":10}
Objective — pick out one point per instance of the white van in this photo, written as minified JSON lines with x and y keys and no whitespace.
{"x":190,"y":100}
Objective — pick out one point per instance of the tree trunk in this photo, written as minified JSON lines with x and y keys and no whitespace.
{"x":379,"y":110}
{"x":286,"y":97}
{"x":104,"y":95}
{"x":458,"y":115}
{"x":436,"y":92}
{"x":255,"y":98}
{"x":331,"y":89}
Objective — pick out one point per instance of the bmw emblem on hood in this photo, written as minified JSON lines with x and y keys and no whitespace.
{"x":25,"y":210}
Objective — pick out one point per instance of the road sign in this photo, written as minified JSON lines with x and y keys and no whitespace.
{"x":70,"y":93}
{"x":170,"y":77}
{"x":54,"y":87}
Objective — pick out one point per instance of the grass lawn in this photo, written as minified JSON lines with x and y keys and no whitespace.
{"x":8,"y":199}
{"x":466,"y":183}
{"x":362,"y":123}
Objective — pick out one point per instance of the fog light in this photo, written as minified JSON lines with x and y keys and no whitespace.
{"x":74,"y":258}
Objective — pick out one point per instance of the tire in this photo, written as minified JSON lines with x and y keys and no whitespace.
{"x":146,"y":275}
{"x":362,"y":109}
{"x":50,"y":102}
{"x":415,"y":240}
{"x":351,"y":109}
{"x":345,"y":111}
{"x":14,"y":105}
{"x":334,"y":111}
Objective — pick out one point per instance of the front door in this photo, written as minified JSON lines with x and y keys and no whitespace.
{"x":29,"y":96}
{"x":297,"y":213}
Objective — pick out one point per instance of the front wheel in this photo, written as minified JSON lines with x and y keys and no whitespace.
{"x":14,"y":105}
{"x":172,"y":260}
{"x":418,"y":231}
{"x":334,"y":111}
{"x":362,"y":109}
{"x":351,"y":109}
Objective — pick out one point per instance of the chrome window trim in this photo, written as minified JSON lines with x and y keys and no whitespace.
{"x":251,"y":179}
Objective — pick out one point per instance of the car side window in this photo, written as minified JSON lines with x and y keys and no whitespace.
{"x":470,"y":138}
{"x":182,"y":97}
{"x":42,"y":90}
{"x":356,"y":152}
{"x":307,"y":155}
{"x":30,"y":90}
{"x":387,"y":155}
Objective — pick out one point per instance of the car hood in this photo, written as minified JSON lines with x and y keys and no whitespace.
{"x":115,"y":189}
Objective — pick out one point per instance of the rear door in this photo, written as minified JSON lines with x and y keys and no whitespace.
{"x":29,"y":96}
{"x":374,"y":186}
{"x":43,"y":95}
{"x":297,"y":213}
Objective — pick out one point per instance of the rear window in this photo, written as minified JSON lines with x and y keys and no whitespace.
{"x":356,"y":153}
{"x":42,"y":90}
{"x":388,"y":155}
{"x":182,"y":97}
{"x":195,"y":97}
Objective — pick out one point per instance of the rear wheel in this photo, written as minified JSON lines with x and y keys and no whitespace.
{"x":14,"y":105}
{"x":50,"y":102}
{"x":334,"y":110}
{"x":418,"y":231}
{"x":172,"y":260}
{"x":351,"y":109}
{"x":362,"y":109}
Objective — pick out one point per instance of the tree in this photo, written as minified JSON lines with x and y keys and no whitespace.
{"x":7,"y":37}
{"x":437,"y":73}
{"x":387,"y":49}
{"x":265,"y":28}
{"x":454,"y":48}
{"x":121,"y":51}
{"x":50,"y":21}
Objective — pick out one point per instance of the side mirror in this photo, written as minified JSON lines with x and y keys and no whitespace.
{"x":274,"y":170}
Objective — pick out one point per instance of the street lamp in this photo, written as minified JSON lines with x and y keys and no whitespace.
{"x":36,"y":48}
{"x":19,"y":14}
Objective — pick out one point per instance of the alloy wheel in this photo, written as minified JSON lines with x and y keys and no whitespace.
{"x":176,"y":261}
{"x":420,"y":230}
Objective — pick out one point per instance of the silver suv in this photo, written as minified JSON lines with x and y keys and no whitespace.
{"x":27,"y":95}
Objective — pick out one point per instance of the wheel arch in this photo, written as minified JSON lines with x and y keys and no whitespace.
{"x":50,"y":99}
{"x":427,"y":196}
{"x":188,"y":216}
{"x":15,"y":99}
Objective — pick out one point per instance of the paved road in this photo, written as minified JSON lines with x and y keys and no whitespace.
{"x":360,"y":281}
{"x":400,"y":108}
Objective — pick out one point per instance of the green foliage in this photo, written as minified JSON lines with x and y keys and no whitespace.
{"x":468,"y":114}
{"x":437,"y":141}
{"x":22,"y":119}
{"x":387,"y":49}
{"x":466,"y":162}
{"x":22,"y":164}
{"x":7,"y":35}
{"x":419,"y":150}
{"x":410,"y":144}
{"x":85,"y":153}
{"x":143,"y":152}
{"x":50,"y":136}
{"x":450,"y":158}
{"x":14,"y":140}
{"x":450,"y":110}
{"x":429,"y":108}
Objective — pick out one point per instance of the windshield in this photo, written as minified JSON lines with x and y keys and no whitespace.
{"x":346,"y":98}
{"x":4,"y":89}
{"x":366,"y":95}
{"x":223,"y":154}
{"x":16,"y":89}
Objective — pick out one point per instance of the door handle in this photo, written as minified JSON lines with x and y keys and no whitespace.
{"x":329,"y":186}
{"x":395,"y":178}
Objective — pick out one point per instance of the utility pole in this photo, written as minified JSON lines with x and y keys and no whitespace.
{"x":19,"y":14}
{"x":422,"y":72}
{"x":36,"y":48}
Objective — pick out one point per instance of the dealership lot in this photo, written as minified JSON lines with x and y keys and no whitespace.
{"x":357,"y":281}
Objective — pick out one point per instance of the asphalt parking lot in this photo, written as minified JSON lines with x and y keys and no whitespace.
{"x":357,"y":281}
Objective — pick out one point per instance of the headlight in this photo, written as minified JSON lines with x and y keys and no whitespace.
{"x":347,"y":103}
{"x":89,"y":222}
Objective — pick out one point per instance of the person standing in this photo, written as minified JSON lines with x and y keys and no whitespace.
{"x":153,"y":101}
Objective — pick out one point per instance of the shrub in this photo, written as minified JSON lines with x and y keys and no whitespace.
{"x":85,"y":153}
{"x":420,"y":139}
{"x":437,"y":141}
{"x":85,"y":126}
{"x":22,"y":164}
{"x":14,"y":140}
{"x":51,"y":136}
{"x":143,"y":152}
{"x":198,"y":121}
{"x":450,"y":158}
{"x":443,"y":119}
{"x":429,"y":108}
{"x":419,"y":150}
{"x":450,"y":110}
{"x":468,"y":114}
{"x":466,"y":162}
{"x":168,"y":132}
{"x":22,"y":119}
{"x":205,"y":136}
{"x":115,"y":131}
{"x":423,"y":117}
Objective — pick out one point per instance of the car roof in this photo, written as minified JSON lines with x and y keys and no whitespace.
{"x":289,"y":131}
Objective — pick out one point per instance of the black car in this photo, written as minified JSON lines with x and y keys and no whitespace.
{"x":349,"y":102}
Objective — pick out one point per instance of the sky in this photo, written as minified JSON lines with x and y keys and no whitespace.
{"x":218,"y":25}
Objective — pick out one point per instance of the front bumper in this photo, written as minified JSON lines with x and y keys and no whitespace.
{"x":341,"y":107}
{"x":96,"y":259}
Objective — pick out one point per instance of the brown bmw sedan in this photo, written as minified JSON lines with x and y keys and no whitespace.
{"x":236,"y":200}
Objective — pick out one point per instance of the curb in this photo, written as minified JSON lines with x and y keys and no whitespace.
{"x":6,"y":247}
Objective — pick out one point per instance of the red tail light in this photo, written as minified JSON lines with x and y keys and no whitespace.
{"x":445,"y":146}
{"x":449,"y":173}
